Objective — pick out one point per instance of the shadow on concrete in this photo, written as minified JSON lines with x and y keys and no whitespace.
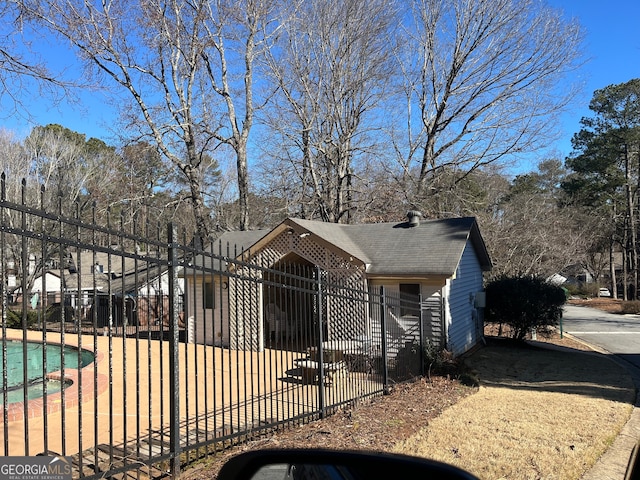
{"x":564,"y":370}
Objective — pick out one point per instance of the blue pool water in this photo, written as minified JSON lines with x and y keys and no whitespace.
{"x":35,"y":366}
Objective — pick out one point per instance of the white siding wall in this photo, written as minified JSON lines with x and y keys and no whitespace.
{"x":52,"y":281}
{"x":160,"y":285}
{"x":461,"y":316}
{"x":433,"y":328}
{"x":209,"y":329}
{"x":428,"y":290}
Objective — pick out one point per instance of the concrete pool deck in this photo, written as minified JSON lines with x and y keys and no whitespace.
{"x":225,"y":389}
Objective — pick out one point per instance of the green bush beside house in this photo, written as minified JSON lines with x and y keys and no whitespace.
{"x":524,"y":304}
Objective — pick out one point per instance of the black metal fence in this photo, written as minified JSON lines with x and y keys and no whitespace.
{"x":133,"y":352}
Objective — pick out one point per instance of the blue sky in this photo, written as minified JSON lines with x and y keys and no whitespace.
{"x":612,"y":50}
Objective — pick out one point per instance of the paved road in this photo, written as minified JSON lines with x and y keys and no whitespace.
{"x":618,"y":334}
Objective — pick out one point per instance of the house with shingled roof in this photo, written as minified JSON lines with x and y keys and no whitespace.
{"x":436,"y":264}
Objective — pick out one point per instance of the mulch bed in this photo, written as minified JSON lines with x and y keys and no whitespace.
{"x":374,"y":425}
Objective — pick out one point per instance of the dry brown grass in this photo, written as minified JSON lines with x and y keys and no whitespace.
{"x":538,"y":414}
{"x":607,"y":304}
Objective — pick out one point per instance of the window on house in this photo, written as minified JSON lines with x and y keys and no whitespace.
{"x":409,"y":299}
{"x":208,"y":298}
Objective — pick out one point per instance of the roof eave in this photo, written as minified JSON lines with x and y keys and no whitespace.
{"x":294,"y":227}
{"x":480,"y":247}
{"x":438,"y":278}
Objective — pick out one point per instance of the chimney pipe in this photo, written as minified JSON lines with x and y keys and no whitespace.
{"x":414,"y":218}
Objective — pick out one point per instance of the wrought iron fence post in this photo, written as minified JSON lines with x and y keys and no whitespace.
{"x":385,"y":353}
{"x":25,"y":271}
{"x":4,"y":291}
{"x":320,"y":356}
{"x":174,"y":365}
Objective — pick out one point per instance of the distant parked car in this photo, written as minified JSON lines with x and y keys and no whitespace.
{"x":604,"y":292}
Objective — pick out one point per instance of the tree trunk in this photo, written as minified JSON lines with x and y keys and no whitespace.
{"x":632,"y":224}
{"x":306,"y":155}
{"x":203,"y":229}
{"x":625,"y":268}
{"x":243,"y":184}
{"x":612,"y":270}
{"x":428,"y":159}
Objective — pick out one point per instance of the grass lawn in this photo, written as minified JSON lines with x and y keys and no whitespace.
{"x":538,"y":414}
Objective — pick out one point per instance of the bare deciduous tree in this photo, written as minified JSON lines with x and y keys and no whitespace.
{"x":331,"y":67}
{"x":187,"y":68}
{"x":481,"y":85}
{"x":60,"y":162}
{"x":21,"y":68}
{"x":529,"y":229}
{"x":15,"y":169}
{"x":49,"y":170}
{"x":13,"y":162}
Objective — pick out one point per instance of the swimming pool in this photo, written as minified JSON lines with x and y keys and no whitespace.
{"x":36,"y":376}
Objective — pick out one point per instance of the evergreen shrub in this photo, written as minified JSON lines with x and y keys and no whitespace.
{"x":524,"y":303}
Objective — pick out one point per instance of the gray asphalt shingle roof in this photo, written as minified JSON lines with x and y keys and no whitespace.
{"x":228,"y":245}
{"x":434,"y":247}
{"x":122,"y":274}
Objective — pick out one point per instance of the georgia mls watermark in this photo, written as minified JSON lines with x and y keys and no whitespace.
{"x":35,"y":468}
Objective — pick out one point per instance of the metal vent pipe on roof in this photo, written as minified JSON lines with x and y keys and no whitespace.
{"x":414,"y":217}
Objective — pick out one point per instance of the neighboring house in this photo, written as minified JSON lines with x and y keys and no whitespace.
{"x":86,"y":276}
{"x":577,"y":275}
{"x":440,"y":262}
{"x":143,"y":287}
{"x":47,"y":286}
